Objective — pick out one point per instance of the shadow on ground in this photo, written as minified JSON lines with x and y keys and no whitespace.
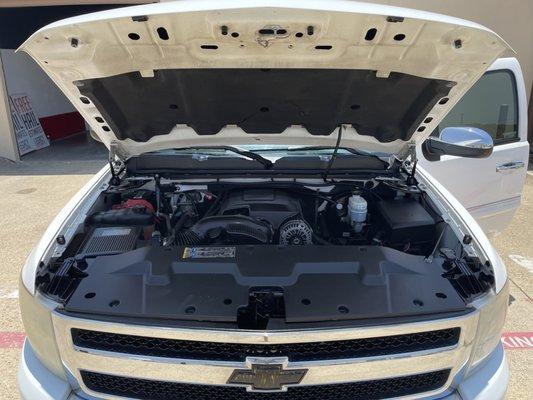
{"x":76,"y":155}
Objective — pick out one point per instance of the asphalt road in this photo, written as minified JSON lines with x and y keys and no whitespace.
{"x":33,"y":192}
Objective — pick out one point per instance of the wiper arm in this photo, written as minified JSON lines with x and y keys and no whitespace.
{"x":348,"y":149}
{"x":310,"y":148}
{"x":248,"y":154}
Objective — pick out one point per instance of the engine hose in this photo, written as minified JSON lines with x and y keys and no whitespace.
{"x":184,"y":217}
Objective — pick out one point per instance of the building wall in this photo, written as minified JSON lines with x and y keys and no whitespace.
{"x":8,"y":145}
{"x":23,"y":75}
{"x":57,"y":115}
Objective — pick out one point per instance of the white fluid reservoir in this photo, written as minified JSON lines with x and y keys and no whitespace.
{"x":357,"y":208}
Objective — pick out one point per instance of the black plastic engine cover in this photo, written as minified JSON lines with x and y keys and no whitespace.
{"x":320,"y":283}
{"x":272,"y":205}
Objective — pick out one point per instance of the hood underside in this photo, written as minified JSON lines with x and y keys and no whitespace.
{"x":273,"y":72}
{"x":264,"y":101}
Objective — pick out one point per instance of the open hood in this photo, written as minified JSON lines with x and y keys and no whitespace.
{"x":197,"y":73}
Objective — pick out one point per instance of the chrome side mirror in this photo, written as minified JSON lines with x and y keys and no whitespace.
{"x":458,"y":141}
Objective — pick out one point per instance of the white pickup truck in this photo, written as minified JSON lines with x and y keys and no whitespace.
{"x":270,"y":225}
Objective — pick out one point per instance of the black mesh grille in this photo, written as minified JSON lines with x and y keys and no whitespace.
{"x":189,"y":349}
{"x":159,"y":390}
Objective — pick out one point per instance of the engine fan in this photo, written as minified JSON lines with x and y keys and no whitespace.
{"x":295,"y":232}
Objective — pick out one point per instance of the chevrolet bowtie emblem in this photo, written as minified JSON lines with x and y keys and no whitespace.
{"x":267,"y":377}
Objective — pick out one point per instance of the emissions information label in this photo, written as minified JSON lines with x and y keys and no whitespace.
{"x":208,"y":252}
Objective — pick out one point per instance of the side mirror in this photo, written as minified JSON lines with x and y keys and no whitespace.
{"x":458,"y":141}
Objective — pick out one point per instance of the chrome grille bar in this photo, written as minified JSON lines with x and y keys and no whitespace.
{"x":217,"y":372}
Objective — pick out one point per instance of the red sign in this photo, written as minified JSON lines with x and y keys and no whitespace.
{"x":517,"y":340}
{"x":11,"y":340}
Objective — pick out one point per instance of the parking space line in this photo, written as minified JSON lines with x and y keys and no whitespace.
{"x":9,"y":294}
{"x":11,"y":340}
{"x":524,"y":262}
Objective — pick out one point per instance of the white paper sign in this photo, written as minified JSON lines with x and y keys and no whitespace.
{"x":24,"y":143}
{"x":28,"y":130}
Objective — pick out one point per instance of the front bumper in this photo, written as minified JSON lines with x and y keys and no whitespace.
{"x":35,"y":381}
{"x":488,"y":382}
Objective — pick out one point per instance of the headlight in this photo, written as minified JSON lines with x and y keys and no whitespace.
{"x":37,"y":320}
{"x":491,"y":319}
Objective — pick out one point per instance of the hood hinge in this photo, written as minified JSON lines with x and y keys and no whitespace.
{"x":117,"y":156}
{"x":409,"y":162}
{"x":411,"y":152}
{"x":117,"y":152}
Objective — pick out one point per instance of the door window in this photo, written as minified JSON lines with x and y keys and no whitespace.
{"x":491,"y":104}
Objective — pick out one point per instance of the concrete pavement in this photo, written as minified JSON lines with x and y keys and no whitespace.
{"x":515,"y":246}
{"x":33,"y":191}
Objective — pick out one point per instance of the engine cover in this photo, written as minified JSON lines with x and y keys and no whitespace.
{"x":318,"y":283}
{"x":274,"y":206}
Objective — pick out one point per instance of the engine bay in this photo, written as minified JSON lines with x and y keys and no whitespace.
{"x":257,"y":255}
{"x":281,"y":216}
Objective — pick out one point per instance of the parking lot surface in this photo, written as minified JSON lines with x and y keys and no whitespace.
{"x":33,"y":191}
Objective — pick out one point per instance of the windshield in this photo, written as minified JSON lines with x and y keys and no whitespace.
{"x":270,"y":151}
{"x":271,"y":157}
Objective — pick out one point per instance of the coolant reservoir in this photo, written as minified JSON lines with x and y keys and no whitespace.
{"x":357,"y":208}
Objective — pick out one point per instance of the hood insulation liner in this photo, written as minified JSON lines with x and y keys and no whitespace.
{"x":264,"y":101}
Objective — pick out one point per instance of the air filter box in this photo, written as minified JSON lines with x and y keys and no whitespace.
{"x":110,"y":240}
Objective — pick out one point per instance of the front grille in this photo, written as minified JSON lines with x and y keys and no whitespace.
{"x":160,"y":390}
{"x":312,"y":351}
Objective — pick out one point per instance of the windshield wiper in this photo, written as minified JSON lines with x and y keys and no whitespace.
{"x":248,"y":154}
{"x":314,"y":148}
{"x":332,"y":148}
{"x":348,"y":149}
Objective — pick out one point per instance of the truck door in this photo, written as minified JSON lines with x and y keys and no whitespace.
{"x":489,"y":188}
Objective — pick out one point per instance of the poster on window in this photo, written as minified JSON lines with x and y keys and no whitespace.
{"x":28,"y":130}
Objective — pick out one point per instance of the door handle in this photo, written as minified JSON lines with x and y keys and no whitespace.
{"x":510,"y":165}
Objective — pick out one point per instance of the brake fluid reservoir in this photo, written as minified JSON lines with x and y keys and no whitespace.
{"x":357,"y":208}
